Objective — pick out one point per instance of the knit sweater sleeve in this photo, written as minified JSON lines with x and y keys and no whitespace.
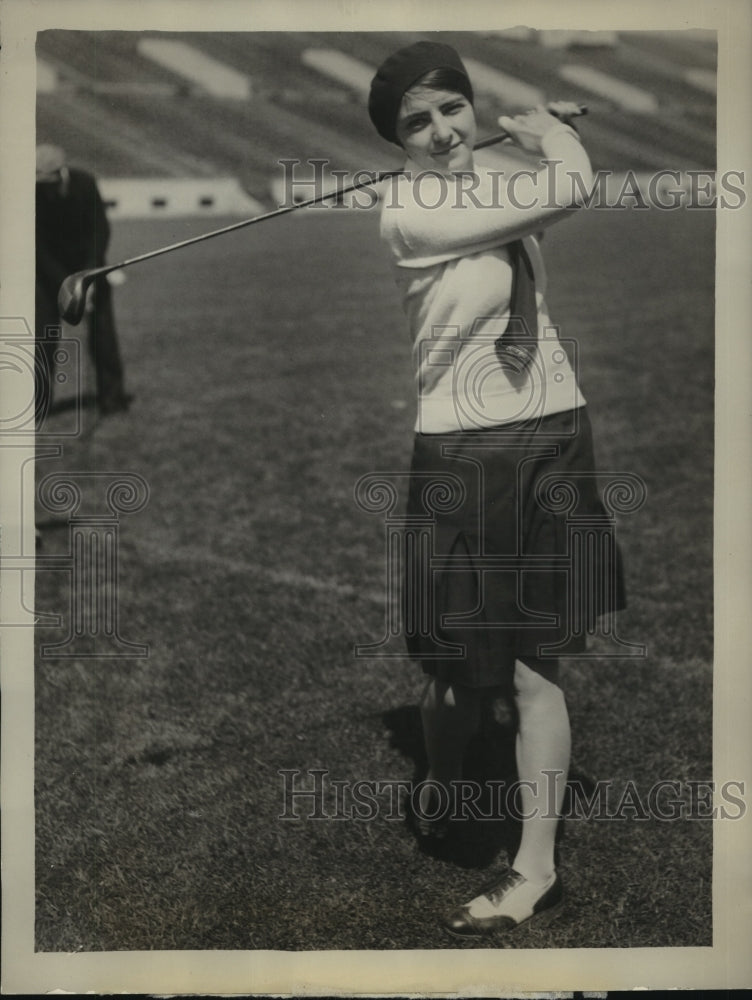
{"x":435,"y":219}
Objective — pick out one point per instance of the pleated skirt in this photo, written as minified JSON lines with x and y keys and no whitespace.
{"x":518,"y":556}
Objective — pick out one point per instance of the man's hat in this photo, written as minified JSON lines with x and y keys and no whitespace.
{"x":50,"y":161}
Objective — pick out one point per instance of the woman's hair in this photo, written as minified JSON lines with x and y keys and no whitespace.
{"x":446,"y":79}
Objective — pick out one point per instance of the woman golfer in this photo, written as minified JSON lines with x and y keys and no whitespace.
{"x":501,"y":427}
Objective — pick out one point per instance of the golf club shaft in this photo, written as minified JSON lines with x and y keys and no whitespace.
{"x":72,"y":293}
{"x":338,"y":192}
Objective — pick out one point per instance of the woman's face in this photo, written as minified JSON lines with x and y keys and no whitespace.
{"x":436,"y":128}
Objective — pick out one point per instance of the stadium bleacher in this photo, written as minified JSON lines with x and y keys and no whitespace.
{"x":231,"y":105}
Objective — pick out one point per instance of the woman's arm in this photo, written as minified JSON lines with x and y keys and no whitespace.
{"x":443,"y":218}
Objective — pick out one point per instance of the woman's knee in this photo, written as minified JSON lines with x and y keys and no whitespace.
{"x":536,"y":680}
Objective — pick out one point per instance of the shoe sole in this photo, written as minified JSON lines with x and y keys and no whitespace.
{"x":542,"y":919}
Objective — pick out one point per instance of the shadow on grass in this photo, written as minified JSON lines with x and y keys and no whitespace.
{"x":491,"y":828}
{"x":477,"y":838}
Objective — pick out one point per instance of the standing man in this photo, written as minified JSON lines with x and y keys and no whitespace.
{"x":72,"y":233}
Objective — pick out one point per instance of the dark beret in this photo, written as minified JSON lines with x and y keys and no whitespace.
{"x":398,"y":73}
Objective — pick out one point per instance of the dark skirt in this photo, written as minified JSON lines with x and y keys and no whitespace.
{"x":509,"y":551}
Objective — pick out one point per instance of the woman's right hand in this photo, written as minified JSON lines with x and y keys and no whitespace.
{"x":527,"y":130}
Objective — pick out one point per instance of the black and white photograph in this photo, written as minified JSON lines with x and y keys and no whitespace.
{"x":375,"y":472}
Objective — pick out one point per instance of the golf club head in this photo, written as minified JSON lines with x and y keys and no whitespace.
{"x":71,"y":298}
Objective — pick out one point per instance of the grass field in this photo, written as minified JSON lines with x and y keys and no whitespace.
{"x":271,"y":370}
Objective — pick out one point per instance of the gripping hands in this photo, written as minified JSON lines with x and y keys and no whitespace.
{"x":527,"y":129}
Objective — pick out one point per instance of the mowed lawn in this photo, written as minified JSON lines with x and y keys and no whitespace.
{"x":271,"y":370}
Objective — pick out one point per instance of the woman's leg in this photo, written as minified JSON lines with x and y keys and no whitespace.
{"x":543,"y":749}
{"x":531,"y":887}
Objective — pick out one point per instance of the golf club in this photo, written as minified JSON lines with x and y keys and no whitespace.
{"x":71,"y":298}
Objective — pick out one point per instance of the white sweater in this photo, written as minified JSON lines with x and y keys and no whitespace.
{"x":452,"y":266}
